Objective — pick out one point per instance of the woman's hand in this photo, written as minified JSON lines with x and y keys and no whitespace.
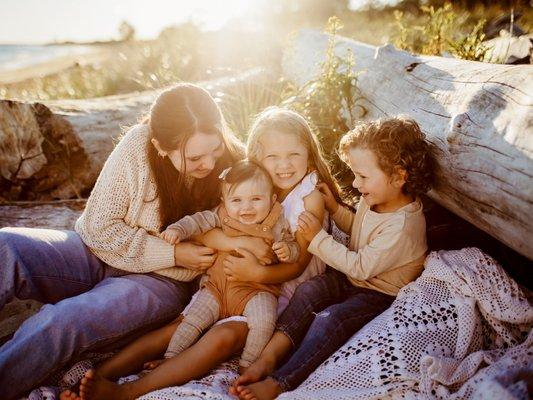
{"x":258,"y":247}
{"x":193,"y":256}
{"x":243,"y":267}
{"x":329,"y":200}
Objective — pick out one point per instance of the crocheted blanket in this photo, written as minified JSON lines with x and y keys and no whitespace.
{"x":460,"y":331}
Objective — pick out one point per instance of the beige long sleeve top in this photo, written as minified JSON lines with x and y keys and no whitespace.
{"x":120,"y":223}
{"x":386,"y":250}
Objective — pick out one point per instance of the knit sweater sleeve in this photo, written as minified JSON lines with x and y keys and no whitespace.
{"x":384,"y":252}
{"x":196,"y":224}
{"x":106,"y":225}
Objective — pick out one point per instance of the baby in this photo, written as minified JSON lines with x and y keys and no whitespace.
{"x":249,"y":207}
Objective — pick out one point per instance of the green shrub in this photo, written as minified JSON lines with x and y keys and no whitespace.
{"x":330,"y":101}
{"x":440,"y":30}
{"x":471,"y":47}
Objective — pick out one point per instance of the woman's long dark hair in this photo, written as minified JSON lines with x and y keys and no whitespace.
{"x":175,"y":116}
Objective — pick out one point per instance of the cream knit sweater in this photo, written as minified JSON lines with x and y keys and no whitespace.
{"x":120,"y":223}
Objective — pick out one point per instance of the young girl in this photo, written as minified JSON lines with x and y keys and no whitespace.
{"x":282,"y":142}
{"x":393,"y":164}
{"x":249,"y":207}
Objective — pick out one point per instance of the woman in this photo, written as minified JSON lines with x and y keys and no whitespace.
{"x":114,"y":278}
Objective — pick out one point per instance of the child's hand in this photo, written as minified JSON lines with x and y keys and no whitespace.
{"x":171,"y":236}
{"x":282,"y":251}
{"x":308,"y":225}
{"x":329,"y":199}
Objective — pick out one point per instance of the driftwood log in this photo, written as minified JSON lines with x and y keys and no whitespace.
{"x":56,"y":150}
{"x":479,"y":115}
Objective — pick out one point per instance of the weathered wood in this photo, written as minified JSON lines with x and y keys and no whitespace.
{"x":510,"y":49}
{"x":479,"y":115}
{"x":34,"y":214}
{"x":56,"y":150}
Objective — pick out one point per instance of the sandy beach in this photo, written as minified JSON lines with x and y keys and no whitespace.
{"x":97,"y":55}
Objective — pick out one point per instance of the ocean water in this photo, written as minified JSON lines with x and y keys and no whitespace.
{"x":13,"y":57}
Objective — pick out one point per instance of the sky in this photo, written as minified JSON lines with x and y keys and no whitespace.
{"x":46,"y":21}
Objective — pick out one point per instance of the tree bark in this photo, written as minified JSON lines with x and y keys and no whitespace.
{"x":479,"y":115}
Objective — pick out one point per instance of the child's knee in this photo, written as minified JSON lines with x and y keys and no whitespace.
{"x":262,"y":327}
{"x":329,"y":318}
{"x":228,"y":338}
{"x":307,"y":290}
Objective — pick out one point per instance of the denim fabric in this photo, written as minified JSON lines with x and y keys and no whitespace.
{"x":322,"y":315}
{"x":90,"y":305}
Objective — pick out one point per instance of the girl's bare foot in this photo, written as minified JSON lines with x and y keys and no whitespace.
{"x":96,"y":387}
{"x":68,"y":395}
{"x":267,"y":389}
{"x":254,"y":373}
{"x":153,"y":364}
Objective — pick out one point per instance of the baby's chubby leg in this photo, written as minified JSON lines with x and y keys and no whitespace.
{"x":202,"y":312}
{"x":261,"y":315}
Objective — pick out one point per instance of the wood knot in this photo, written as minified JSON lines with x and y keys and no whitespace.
{"x":412,"y":66}
{"x":455,"y":128}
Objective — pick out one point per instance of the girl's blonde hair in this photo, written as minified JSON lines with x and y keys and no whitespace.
{"x":277,"y":119}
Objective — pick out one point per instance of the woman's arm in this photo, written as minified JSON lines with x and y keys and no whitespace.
{"x":102,"y":225}
{"x":247,"y":268}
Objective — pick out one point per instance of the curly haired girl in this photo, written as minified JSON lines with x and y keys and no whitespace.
{"x":392,"y":163}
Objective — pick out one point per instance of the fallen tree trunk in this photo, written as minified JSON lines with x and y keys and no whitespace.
{"x":479,"y":115}
{"x":35,"y":214}
{"x":56,"y":151}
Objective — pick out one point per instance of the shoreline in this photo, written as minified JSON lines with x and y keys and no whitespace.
{"x":56,"y":65}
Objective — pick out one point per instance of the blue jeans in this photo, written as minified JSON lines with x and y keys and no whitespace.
{"x":322,"y":315}
{"x":90,"y":306}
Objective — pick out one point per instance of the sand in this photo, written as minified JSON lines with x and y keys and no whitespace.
{"x":54,"y":66}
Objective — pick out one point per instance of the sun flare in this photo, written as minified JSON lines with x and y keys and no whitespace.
{"x":212,"y":14}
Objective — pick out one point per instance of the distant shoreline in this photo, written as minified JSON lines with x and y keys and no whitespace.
{"x":67,"y":43}
{"x":96,"y":53}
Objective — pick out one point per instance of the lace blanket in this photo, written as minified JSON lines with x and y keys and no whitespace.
{"x":460,"y":331}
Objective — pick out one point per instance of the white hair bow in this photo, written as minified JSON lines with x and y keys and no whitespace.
{"x":224,"y":173}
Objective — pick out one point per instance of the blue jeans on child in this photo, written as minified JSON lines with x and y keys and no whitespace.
{"x":322,"y":315}
{"x":90,"y":306}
